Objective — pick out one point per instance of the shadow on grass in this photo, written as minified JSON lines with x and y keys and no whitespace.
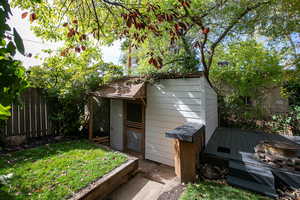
{"x":45,"y":151}
{"x":5,"y":195}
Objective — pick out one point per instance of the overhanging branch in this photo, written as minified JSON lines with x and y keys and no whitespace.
{"x":230,"y":27}
{"x":117,"y":4}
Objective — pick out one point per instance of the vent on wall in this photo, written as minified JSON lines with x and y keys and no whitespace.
{"x":223,"y":150}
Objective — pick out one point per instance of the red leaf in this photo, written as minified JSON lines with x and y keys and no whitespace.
{"x":151,"y":61}
{"x":83,"y":48}
{"x":63,"y":53}
{"x":185,"y":4}
{"x":65,"y":24}
{"x":155,"y":63}
{"x":129,"y":23}
{"x":82,"y":37}
{"x":24,"y":15}
{"x":170,"y":17}
{"x":205,"y":31}
{"x":124,"y":16}
{"x":32,"y":17}
{"x":77,"y":49}
{"x":71,"y":33}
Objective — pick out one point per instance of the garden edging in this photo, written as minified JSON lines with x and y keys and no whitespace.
{"x":109,"y":182}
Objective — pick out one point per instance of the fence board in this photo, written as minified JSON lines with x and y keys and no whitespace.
{"x":31,"y":118}
{"x":38,"y":115}
{"x":27,"y":114}
{"x":22,"y":120}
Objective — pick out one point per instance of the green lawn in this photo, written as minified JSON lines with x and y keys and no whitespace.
{"x":207,"y":190}
{"x":55,"y":171}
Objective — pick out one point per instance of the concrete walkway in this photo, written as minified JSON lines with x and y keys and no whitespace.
{"x":151,"y":181}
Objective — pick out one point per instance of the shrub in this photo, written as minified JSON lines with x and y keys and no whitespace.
{"x":289,"y":120}
{"x":67,"y":82}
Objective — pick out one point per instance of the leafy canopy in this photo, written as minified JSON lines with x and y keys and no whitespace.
{"x":247,"y":68}
{"x":202,"y":24}
{"x":67,"y":81}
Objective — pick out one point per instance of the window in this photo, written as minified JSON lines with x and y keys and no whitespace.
{"x":134,"y":112}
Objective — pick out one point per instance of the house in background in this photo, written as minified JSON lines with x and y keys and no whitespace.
{"x":273,"y":102}
{"x":271,"y":99}
{"x":142,"y":112}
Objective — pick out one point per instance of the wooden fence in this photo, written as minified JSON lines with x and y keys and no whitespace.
{"x":29,"y":119}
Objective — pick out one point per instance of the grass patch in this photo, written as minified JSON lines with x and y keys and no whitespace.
{"x":55,"y":171}
{"x":208,"y":190}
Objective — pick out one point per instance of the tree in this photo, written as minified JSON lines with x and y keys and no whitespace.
{"x":202,"y":24}
{"x":12,"y":73}
{"x":247,"y":68}
{"x":281,"y":31}
{"x":242,"y":73}
{"x":67,"y":81}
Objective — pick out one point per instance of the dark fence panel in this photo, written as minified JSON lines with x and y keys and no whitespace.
{"x":31,"y":118}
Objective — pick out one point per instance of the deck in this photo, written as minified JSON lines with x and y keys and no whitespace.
{"x":232,"y":144}
{"x":235,"y":148}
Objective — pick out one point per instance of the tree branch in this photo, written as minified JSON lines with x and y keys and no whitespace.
{"x":234,"y":22}
{"x":97,"y":19}
{"x":116,"y":4}
{"x":229,"y":28}
{"x":202,"y":47}
{"x":196,"y":20}
{"x":112,"y":14}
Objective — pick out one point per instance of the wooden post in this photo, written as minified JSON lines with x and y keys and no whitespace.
{"x":90,"y":106}
{"x":185,"y":160}
{"x":187,"y":146}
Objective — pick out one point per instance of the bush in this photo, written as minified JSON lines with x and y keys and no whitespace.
{"x":67,"y":82}
{"x":289,"y":120}
{"x":235,"y":113}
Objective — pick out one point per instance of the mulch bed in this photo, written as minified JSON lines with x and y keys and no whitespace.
{"x":289,"y":195}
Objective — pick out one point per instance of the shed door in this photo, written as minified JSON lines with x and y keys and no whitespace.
{"x":134,"y":126}
{"x":116,"y":124}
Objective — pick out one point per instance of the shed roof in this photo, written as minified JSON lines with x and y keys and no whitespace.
{"x":133,"y":87}
{"x":169,"y":75}
{"x":128,"y":88}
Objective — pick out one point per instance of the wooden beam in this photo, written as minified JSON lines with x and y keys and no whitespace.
{"x":143,"y":101}
{"x":105,"y":185}
{"x":185,"y":160}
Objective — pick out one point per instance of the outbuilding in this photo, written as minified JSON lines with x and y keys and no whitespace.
{"x":141,"y":112}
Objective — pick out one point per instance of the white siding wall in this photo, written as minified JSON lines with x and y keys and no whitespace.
{"x":211,"y":111}
{"x":116,"y":124}
{"x":171,"y":103}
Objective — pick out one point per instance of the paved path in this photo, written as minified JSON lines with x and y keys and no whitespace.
{"x":150,"y":183}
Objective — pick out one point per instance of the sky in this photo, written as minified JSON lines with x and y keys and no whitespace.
{"x":35,"y":45}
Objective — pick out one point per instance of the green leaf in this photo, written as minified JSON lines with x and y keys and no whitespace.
{"x":3,"y":26}
{"x":11,"y":48}
{"x":4,"y":112}
{"x":19,"y":42}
